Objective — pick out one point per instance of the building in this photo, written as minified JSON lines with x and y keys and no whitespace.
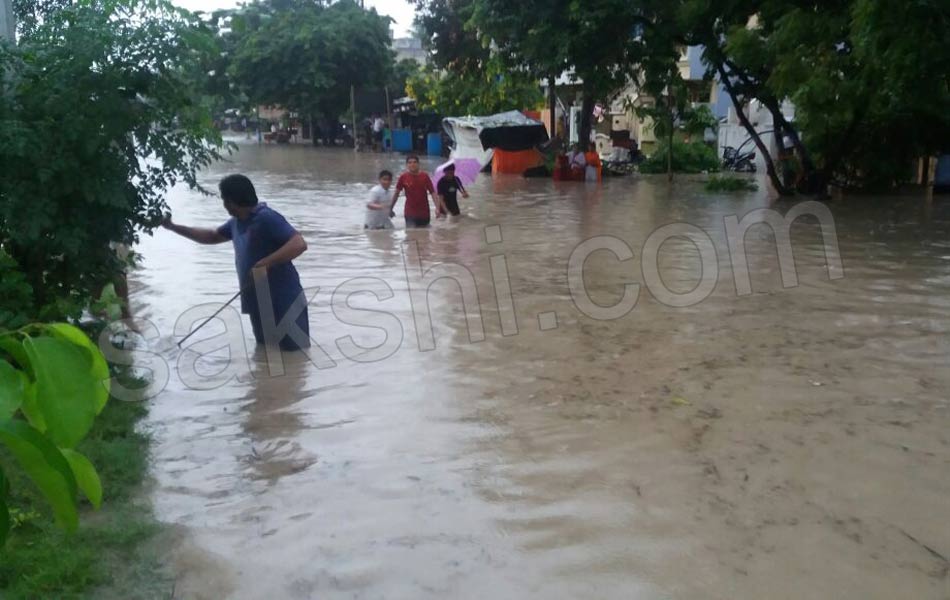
{"x":623,"y":109}
{"x":409,"y":48}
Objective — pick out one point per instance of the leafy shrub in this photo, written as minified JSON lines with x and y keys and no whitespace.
{"x":692,"y":157}
{"x":53,"y":383}
{"x":719,"y":183}
{"x":16,"y":294}
{"x":99,"y":116}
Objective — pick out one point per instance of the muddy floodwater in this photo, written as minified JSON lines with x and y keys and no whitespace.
{"x":558,"y":441}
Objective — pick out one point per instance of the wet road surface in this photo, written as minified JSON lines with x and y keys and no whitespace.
{"x":787,"y":443}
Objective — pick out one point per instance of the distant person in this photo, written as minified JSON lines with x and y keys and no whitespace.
{"x":377,"y":209}
{"x":418,"y":188}
{"x":378,"y":126}
{"x":577,"y":162}
{"x":448,"y":189}
{"x":592,"y":161}
{"x":265,"y":245}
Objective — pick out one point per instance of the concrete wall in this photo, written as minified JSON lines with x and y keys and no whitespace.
{"x":720,"y":102}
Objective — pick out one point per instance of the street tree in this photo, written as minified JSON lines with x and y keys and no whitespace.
{"x":464,"y":75}
{"x":868,"y":80}
{"x":595,"y":41}
{"x":305,"y":55}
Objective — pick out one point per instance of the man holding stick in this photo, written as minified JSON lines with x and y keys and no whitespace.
{"x":265,"y":245}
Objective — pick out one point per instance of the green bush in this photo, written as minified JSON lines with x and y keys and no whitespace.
{"x":40,"y":560}
{"x":53,"y":383}
{"x":693,"y":157}
{"x":719,"y":183}
{"x":16,"y":294}
{"x":99,"y":116}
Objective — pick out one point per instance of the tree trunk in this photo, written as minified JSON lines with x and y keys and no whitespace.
{"x":808,"y":182}
{"x":552,"y":107}
{"x":587,"y":111}
{"x":669,"y":141}
{"x":756,"y":138}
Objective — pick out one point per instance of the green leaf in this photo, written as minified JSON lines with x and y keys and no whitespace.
{"x":12,"y":389}
{"x":14,"y":348}
{"x":46,"y":466}
{"x":100,"y":368}
{"x":86,"y":476}
{"x":31,"y":409}
{"x":66,"y":392}
{"x":4,"y":520}
{"x":4,"y":511}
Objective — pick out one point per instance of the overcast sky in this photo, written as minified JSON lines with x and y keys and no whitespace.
{"x":401,"y":11}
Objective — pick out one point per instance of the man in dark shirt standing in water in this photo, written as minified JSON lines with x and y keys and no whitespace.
{"x":448,"y":188}
{"x":418,"y":188}
{"x":264,"y":246}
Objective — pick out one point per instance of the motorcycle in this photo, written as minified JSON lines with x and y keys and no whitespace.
{"x":734,"y":159}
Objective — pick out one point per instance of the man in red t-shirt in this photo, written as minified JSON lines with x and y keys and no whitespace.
{"x":418,"y":188}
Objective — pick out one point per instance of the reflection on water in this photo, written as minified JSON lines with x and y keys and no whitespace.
{"x":790,"y":443}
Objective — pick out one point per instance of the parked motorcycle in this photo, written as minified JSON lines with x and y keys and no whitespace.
{"x":734,"y":159}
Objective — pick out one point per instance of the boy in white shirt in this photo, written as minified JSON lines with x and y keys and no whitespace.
{"x":378,"y":208}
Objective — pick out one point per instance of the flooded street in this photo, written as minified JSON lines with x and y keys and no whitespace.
{"x":792,"y":442}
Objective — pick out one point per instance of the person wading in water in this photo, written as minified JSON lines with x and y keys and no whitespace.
{"x":265,"y":245}
{"x":448,"y":190}
{"x":418,"y":188}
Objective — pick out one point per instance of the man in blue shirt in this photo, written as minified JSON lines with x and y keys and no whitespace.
{"x":264,"y":246}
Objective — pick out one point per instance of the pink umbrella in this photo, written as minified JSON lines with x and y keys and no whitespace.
{"x":466,"y":169}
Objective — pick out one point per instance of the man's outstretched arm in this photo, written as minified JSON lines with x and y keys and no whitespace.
{"x":195,"y":234}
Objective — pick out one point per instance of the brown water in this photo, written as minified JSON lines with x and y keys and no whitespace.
{"x":790,"y":443}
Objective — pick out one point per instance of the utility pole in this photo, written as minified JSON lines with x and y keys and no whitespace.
{"x":389,"y":118}
{"x":7,"y":21}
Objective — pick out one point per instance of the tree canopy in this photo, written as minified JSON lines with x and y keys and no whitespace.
{"x":465,"y":76}
{"x":868,"y":78}
{"x":596,"y":41}
{"x":304,"y":55}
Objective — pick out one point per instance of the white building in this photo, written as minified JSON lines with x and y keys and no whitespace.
{"x":409,"y":48}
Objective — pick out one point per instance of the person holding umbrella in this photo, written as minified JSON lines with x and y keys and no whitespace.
{"x":448,"y":188}
{"x":265,"y":245}
{"x":457,"y":173}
